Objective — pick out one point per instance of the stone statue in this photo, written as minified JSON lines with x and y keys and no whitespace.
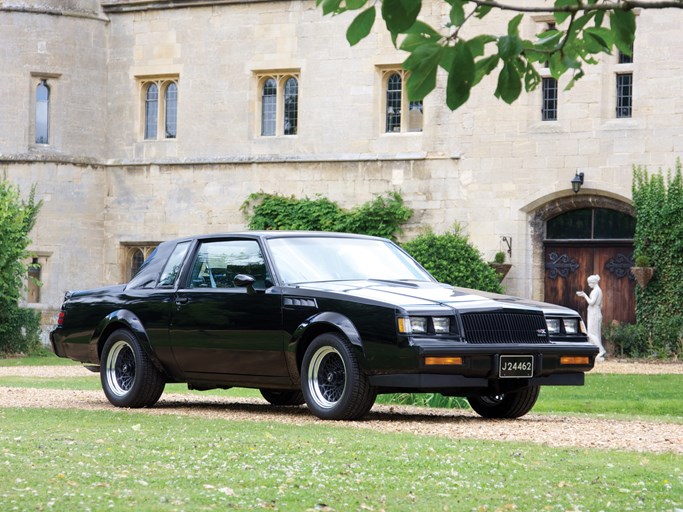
{"x":594,"y":317}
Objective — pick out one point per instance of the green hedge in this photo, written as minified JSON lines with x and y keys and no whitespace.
{"x":658,"y":202}
{"x":383,"y":216}
{"x":451,"y":258}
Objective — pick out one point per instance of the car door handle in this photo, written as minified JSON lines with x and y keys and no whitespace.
{"x":182,"y":300}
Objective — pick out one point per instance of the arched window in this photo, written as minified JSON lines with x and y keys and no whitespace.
{"x":591,"y":223}
{"x":42,"y":112}
{"x":393,"y":99}
{"x":136,"y":261}
{"x":171,"y":110}
{"x":268,"y":107}
{"x":291,"y":112}
{"x":151,"y":111}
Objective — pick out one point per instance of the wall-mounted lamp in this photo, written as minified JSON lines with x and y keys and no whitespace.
{"x":577,"y":181}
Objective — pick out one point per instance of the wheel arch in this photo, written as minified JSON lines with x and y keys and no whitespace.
{"x":321,"y":324}
{"x":125,"y":319}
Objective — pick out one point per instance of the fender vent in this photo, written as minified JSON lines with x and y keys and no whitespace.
{"x":300,"y":302}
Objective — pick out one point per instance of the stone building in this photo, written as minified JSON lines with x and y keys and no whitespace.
{"x":144,"y":120}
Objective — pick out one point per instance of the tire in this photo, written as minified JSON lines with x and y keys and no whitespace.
{"x":332,"y":382}
{"x":508,"y":405}
{"x":129,"y":379}
{"x":282,"y":397}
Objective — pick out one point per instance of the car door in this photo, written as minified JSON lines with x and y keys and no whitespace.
{"x":219,"y":327}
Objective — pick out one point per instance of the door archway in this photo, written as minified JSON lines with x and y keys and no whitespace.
{"x":590,"y":235}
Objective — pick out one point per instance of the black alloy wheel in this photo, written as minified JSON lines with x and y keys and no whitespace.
{"x":129,"y":379}
{"x":333,"y":384}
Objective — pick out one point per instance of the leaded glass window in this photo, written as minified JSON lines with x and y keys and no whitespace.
{"x":42,"y":112}
{"x":624,"y":94}
{"x":268,"y":107}
{"x":136,"y":261}
{"x":393,"y":103}
{"x":151,"y":111}
{"x":549,"y":107}
{"x":291,"y":108}
{"x":171,"y":110}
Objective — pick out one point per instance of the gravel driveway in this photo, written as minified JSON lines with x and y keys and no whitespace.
{"x":551,"y":430}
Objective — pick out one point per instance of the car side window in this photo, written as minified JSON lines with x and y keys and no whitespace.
{"x":174,"y":265}
{"x":217,"y":264}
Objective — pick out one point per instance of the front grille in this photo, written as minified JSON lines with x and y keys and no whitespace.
{"x":504,"y":327}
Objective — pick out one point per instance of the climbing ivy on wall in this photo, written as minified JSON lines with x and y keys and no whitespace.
{"x":382,"y":216}
{"x":658,"y":202}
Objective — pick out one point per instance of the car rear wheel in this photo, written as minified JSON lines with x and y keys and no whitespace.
{"x":333,"y":384}
{"x":508,"y":405}
{"x":282,"y":397}
{"x":129,"y":379}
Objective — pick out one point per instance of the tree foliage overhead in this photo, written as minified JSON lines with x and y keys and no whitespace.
{"x":583,"y":29}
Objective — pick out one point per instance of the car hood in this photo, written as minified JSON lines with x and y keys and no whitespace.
{"x":423,"y":295}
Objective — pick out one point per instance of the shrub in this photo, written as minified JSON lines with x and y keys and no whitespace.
{"x":381,"y":217}
{"x":629,"y":340}
{"x":19,"y":330}
{"x":451,"y":258}
{"x":18,"y":327}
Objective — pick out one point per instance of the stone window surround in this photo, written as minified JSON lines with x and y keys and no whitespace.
{"x":52,"y":82}
{"x":128,"y":250}
{"x":280,"y":76}
{"x":162,"y":82}
{"x":385,"y":72}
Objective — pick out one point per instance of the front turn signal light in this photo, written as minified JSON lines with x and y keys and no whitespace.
{"x":443,"y":361}
{"x":574,"y":360}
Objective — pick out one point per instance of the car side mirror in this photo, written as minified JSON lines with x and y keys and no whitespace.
{"x":244,"y":281}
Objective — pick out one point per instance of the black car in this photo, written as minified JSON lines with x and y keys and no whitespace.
{"x":325,"y":319}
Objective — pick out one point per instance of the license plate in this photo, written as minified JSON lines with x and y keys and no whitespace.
{"x":516,"y":366}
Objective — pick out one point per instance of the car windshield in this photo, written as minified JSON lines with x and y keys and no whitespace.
{"x":309,"y":259}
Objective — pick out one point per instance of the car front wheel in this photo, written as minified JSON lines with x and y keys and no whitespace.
{"x":508,"y":405}
{"x":333,"y":384}
{"x":129,"y":379}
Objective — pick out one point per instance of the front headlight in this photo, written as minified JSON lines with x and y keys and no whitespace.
{"x":571,"y":325}
{"x":553,"y":325}
{"x":442,"y":324}
{"x":424,"y":325}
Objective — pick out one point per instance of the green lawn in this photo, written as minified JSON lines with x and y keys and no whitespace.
{"x":123,"y":460}
{"x":64,"y":460}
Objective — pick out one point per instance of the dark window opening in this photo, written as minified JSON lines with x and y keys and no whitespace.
{"x":42,"y":112}
{"x":549,"y":107}
{"x":624,"y":95}
{"x":591,"y":223}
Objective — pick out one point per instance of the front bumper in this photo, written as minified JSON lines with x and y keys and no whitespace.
{"x":479,"y":368}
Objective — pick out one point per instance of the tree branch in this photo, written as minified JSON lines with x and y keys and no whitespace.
{"x":624,"y":5}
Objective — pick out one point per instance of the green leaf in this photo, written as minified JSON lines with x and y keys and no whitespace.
{"x":481,"y":11}
{"x":549,"y":39}
{"x":422,"y":64}
{"x":478,"y":44}
{"x":461,"y":76}
{"x":457,"y":14}
{"x":509,"y":47}
{"x":361,"y":26}
{"x":353,"y":5}
{"x":598,"y":39}
{"x":560,"y":17}
{"x":509,"y":83}
{"x":484,"y":67}
{"x":623,"y":25}
{"x":513,"y":25}
{"x":400,"y":15}
{"x":331,"y":6}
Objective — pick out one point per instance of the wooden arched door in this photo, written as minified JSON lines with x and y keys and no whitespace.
{"x":589,"y":241}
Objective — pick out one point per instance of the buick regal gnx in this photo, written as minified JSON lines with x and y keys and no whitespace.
{"x":329,"y":320}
